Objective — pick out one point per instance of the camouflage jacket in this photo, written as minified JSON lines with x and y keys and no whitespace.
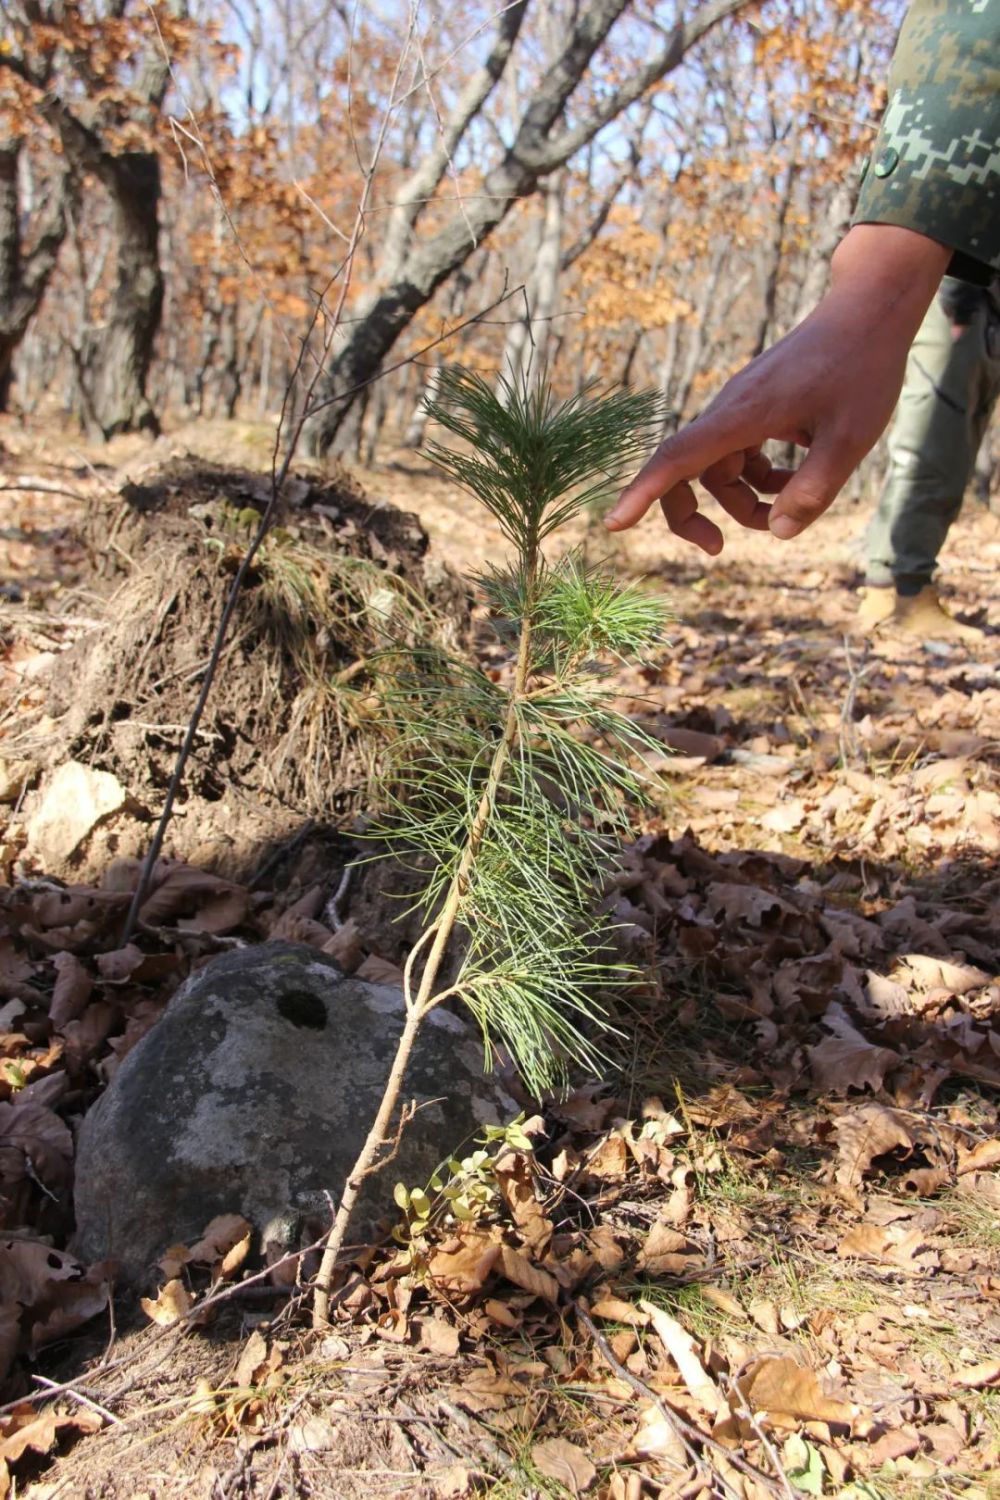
{"x":935,"y":166}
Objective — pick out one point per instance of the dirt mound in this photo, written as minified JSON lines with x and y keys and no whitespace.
{"x":287,"y":733}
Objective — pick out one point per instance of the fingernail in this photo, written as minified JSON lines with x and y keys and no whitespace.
{"x":784,"y":528}
{"x":612,"y":519}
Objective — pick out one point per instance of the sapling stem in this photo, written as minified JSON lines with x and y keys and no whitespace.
{"x":419,"y":1007}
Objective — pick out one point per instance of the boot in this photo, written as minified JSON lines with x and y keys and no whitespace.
{"x":877,"y":606}
{"x":923,"y":615}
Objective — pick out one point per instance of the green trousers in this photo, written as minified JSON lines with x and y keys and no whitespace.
{"x":949,"y":392}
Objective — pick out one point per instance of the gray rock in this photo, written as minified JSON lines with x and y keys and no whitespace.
{"x":253,"y":1095}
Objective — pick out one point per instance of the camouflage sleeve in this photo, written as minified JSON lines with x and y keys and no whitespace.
{"x":935,"y":166}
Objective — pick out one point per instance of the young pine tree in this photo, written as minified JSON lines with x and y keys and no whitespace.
{"x":512,"y":797}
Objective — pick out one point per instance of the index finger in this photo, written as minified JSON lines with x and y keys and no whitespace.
{"x":681,"y":458}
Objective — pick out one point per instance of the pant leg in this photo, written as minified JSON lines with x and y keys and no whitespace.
{"x":986,"y":383}
{"x":933,"y":441}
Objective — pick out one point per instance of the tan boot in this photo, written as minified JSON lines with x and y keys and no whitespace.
{"x":923,"y":615}
{"x":876,"y":607}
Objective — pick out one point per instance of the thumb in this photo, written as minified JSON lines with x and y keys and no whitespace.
{"x":812,"y":489}
{"x":680,"y":458}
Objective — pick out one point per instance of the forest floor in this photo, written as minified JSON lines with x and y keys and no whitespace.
{"x":761,"y":1259}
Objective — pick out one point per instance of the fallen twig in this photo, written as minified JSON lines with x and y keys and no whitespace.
{"x":67,"y":1389}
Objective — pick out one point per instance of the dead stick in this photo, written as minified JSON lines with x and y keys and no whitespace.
{"x":51,"y":1387}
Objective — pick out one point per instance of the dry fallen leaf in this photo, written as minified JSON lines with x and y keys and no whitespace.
{"x":24,"y":1429}
{"x":559,"y":1459}
{"x":681,"y":1347}
{"x":196,"y":900}
{"x":892,"y":1244}
{"x":380,"y":971}
{"x":616,"y":1310}
{"x":501,"y":1313}
{"x":453,"y":1483}
{"x":437,"y":1336}
{"x":788,"y":1392}
{"x":33,"y":1139}
{"x":52,"y":1293}
{"x":224,"y":1245}
{"x":662,"y":1249}
{"x":462,"y":1266}
{"x":515,"y":1175}
{"x":847,"y":1060}
{"x":345,"y":947}
{"x":524,"y":1273}
{"x":252,"y":1360}
{"x":120,"y":964}
{"x":71,"y":990}
{"x":608,"y":1159}
{"x":975,"y":1377}
{"x":171,"y":1304}
{"x":656,"y":1438}
{"x":865,"y":1133}
{"x":724,"y":1301}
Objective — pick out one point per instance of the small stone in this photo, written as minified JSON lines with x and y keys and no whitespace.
{"x":14,"y":777}
{"x":68,"y":807}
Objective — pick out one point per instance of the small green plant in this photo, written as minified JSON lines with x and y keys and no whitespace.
{"x":512,"y":797}
{"x":462,"y":1188}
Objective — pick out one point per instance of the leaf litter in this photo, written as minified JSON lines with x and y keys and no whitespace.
{"x":781,"y":1216}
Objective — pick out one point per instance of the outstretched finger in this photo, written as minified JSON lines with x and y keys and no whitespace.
{"x":675,"y":462}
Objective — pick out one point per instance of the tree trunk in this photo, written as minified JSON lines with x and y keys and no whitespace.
{"x":540,"y":147}
{"x":24,"y":273}
{"x":770,"y":266}
{"x":231,"y":372}
{"x":701,"y":326}
{"x":114,"y":360}
{"x":528,"y":339}
{"x":417,"y":427}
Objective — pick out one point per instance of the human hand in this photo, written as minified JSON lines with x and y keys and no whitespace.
{"x":829,"y":386}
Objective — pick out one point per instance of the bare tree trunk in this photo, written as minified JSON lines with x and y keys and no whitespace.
{"x":668,"y":371}
{"x":528,"y":339}
{"x":822,"y":245}
{"x":417,"y":428}
{"x":701,"y":325}
{"x":231,"y":373}
{"x":540,"y":146}
{"x":377,"y":407}
{"x":267,"y":341}
{"x":24,"y":273}
{"x":770,"y":267}
{"x":114,"y":360}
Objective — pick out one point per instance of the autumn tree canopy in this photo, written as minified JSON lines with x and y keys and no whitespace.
{"x":194,"y":203}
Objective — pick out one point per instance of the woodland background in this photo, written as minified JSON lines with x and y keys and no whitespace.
{"x":198,"y":199}
{"x":783,"y":1208}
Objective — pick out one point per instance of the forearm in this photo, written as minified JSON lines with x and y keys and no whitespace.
{"x":887,"y":276}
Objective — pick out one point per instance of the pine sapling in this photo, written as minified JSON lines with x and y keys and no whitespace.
{"x":511,"y":798}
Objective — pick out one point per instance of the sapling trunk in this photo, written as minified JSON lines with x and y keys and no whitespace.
{"x":420,"y":1005}
{"x":508,"y":865}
